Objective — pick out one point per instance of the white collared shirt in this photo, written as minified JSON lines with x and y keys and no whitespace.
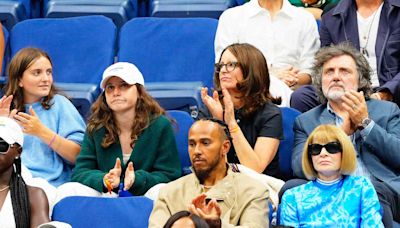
{"x":290,"y":38}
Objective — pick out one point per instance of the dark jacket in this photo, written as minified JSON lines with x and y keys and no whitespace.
{"x":340,"y":24}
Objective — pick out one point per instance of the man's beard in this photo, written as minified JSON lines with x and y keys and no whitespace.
{"x":334,"y":95}
{"x":203,"y":174}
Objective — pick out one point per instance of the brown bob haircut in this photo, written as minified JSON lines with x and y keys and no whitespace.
{"x":254,"y":87}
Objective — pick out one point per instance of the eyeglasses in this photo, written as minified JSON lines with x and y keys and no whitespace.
{"x":332,"y":148}
{"x":5,"y":147}
{"x":230,"y":66}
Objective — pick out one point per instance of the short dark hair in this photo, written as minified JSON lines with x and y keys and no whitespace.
{"x":327,"y":53}
{"x":222,"y":124}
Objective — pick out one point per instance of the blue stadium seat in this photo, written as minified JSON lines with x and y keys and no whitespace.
{"x":81,"y":48}
{"x":99,"y":212}
{"x":12,"y":12}
{"x":175,"y":50}
{"x":177,"y":96}
{"x":120,"y":11}
{"x":182,"y":126}
{"x":286,"y":145}
{"x":189,"y":8}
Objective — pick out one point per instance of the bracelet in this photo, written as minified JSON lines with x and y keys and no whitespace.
{"x":235,"y":129}
{"x":52,"y":140}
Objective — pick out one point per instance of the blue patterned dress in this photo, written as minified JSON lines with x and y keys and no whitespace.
{"x":348,"y":202}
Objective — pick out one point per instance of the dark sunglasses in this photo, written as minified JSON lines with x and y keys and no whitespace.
{"x":332,"y":148}
{"x":4,"y":147}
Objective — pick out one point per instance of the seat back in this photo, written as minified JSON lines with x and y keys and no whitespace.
{"x":83,"y":211}
{"x":189,"y":8}
{"x":183,"y":123}
{"x":286,"y":145}
{"x":80,"y":47}
{"x":120,"y":11}
{"x":12,"y":12}
{"x":170,"y":49}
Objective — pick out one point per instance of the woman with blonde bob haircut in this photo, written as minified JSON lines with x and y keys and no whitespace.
{"x":333,"y":197}
{"x":325,"y":134}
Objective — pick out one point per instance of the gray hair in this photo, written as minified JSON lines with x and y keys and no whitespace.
{"x":327,"y":53}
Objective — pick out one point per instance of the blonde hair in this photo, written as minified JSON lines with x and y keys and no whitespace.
{"x":325,"y":134}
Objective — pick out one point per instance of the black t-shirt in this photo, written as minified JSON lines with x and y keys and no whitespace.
{"x":265,"y":122}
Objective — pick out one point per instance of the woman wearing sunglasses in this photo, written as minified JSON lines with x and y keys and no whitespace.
{"x":333,"y":197}
{"x":242,"y":99}
{"x":20,"y":205}
{"x":53,"y":127}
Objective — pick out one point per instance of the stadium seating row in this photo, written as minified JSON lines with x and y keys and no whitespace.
{"x":120,"y":11}
{"x":175,"y":61}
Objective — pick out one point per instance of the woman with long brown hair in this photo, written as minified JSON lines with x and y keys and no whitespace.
{"x":242,"y":99}
{"x":129,"y":139}
{"x":53,"y":128}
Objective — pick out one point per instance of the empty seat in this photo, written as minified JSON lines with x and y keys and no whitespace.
{"x":178,"y":52}
{"x":189,"y":8}
{"x":12,"y":12}
{"x":120,"y":11}
{"x":81,"y":48}
{"x":182,"y":126}
{"x":81,"y":211}
{"x":286,"y":145}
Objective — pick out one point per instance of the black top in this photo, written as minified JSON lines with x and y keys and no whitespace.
{"x":265,"y":122}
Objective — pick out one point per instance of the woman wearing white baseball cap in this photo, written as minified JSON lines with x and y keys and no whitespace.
{"x":20,"y":205}
{"x":128,"y":140}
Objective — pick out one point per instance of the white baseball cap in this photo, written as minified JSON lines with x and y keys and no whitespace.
{"x":10,"y":131}
{"x":126,"y":71}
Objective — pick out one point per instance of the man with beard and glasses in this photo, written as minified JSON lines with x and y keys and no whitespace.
{"x":215,"y":191}
{"x":341,"y":76}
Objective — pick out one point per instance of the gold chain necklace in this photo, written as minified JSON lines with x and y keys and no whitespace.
{"x":6,"y":187}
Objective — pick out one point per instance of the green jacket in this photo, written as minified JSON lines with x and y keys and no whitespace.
{"x":155,"y":158}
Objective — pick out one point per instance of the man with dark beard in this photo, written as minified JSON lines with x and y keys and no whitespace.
{"x":215,"y":191}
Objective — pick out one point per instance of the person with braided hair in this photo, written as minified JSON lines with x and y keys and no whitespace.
{"x":21,"y":205}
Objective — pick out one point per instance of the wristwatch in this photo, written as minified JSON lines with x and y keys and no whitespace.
{"x":364,"y":123}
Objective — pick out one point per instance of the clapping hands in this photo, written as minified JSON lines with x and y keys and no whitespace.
{"x":114,"y":175}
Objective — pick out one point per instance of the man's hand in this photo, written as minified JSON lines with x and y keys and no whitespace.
{"x":288,"y":76}
{"x":210,"y":211}
{"x":382,"y":95}
{"x":356,"y":107}
{"x":348,"y":127}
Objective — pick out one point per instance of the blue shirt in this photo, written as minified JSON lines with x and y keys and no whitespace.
{"x":349,"y":202}
{"x":37,"y":156}
{"x":361,"y":170}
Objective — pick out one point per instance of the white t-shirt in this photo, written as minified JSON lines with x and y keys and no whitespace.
{"x":6,"y":213}
{"x":367,"y":33}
